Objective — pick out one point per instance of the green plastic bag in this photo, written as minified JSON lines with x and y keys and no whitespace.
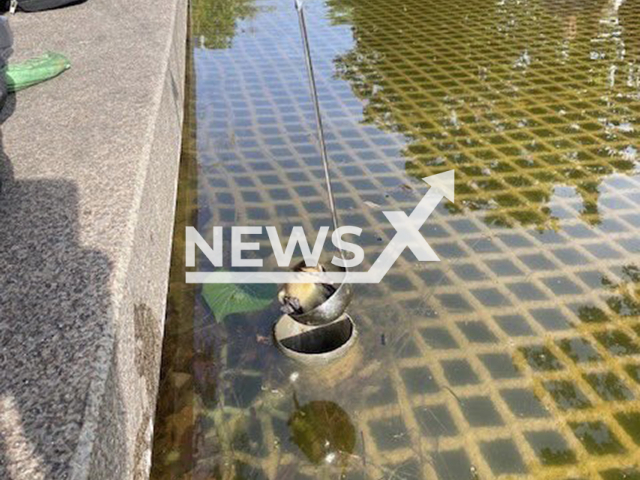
{"x":36,"y":70}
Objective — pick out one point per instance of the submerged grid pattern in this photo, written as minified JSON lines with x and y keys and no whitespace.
{"x":518,"y":355}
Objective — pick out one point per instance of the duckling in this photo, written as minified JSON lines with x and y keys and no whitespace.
{"x":298,"y":298}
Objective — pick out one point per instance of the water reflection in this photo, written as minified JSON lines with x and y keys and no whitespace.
{"x":631,"y":30}
{"x":492,"y":90}
{"x":214,"y":22}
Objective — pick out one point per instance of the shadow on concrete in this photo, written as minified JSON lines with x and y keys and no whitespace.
{"x":55,"y":321}
{"x":6,"y":170}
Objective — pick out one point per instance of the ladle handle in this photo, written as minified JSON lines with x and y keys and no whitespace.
{"x":316,"y":104}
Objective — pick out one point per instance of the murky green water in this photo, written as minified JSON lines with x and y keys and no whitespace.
{"x":517,"y":355}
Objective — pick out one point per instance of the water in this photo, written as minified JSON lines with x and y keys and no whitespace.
{"x":519,"y":353}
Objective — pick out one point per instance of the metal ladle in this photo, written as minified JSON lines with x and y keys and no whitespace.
{"x":337,"y":303}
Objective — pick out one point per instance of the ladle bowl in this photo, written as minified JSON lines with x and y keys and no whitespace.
{"x":315,"y":345}
{"x":332,"y":307}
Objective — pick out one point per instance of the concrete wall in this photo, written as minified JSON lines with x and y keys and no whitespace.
{"x":89,"y":174}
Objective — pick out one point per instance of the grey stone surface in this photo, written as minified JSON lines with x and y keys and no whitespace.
{"x":89,"y":173}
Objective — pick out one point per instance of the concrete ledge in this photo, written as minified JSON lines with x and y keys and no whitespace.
{"x":89,"y":176}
